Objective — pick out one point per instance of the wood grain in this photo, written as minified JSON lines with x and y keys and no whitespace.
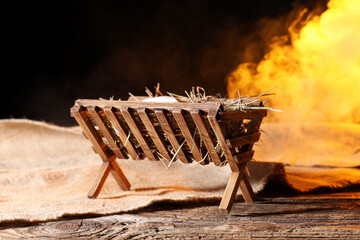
{"x":305,"y":217}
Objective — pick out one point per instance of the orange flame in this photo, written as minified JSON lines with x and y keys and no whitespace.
{"x":318,"y":76}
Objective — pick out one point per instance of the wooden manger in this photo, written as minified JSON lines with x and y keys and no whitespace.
{"x":189,"y":132}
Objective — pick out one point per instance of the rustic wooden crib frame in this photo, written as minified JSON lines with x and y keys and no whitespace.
{"x":133,"y":129}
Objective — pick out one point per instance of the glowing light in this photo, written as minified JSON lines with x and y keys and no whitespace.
{"x":318,"y":74}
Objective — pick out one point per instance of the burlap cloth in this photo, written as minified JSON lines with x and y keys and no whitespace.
{"x":47,"y":170}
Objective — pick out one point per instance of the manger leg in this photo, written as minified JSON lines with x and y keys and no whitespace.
{"x":100,"y":180}
{"x":119,"y":176}
{"x":231,"y":189}
{"x":246,"y":189}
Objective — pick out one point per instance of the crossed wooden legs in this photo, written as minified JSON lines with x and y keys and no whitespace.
{"x":104,"y":171}
{"x":108,"y":157}
{"x":237,"y":179}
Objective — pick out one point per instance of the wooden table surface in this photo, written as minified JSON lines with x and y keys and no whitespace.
{"x":330,"y":216}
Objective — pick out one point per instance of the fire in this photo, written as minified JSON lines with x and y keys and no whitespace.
{"x":318,"y":88}
{"x":318,"y":75}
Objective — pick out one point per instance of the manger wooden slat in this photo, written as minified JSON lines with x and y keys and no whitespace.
{"x":241,"y":156}
{"x":105,"y":131}
{"x":151,"y":105}
{"x":78,"y":112}
{"x":245,"y":114}
{"x":159,"y":143}
{"x":170,"y":134}
{"x":138,"y":135}
{"x":219,"y":135}
{"x":194,"y":148}
{"x":205,"y":136}
{"x":120,"y":130}
{"x":243,"y":140}
{"x":245,"y":156}
{"x":231,"y":189}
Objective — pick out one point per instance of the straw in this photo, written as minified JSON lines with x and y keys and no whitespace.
{"x":235,"y":128}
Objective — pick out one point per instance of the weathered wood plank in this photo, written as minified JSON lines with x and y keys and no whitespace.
{"x":304,"y":217}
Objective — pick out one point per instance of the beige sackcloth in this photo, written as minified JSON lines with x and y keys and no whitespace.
{"x":46,"y":172}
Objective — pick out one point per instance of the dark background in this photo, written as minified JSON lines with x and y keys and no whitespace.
{"x":59,"y":51}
